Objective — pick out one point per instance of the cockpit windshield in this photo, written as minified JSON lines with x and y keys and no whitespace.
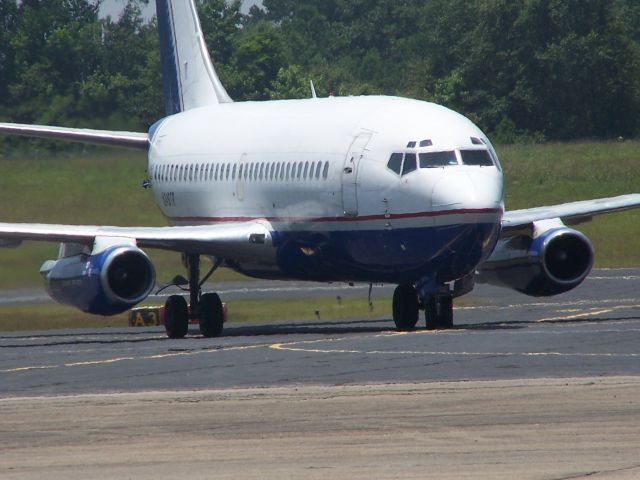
{"x":476,"y":157}
{"x":437,"y":159}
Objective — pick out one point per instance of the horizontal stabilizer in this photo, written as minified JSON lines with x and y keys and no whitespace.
{"x":99,"y":137}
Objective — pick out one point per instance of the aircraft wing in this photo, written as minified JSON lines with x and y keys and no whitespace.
{"x":570,"y":213}
{"x":225,"y":240}
{"x":84,"y":135}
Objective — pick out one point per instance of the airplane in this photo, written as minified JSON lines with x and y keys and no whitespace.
{"x":371,"y":189}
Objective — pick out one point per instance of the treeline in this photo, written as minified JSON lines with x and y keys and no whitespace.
{"x":521,"y":69}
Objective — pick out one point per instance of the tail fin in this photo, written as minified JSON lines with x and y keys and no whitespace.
{"x":188,"y":76}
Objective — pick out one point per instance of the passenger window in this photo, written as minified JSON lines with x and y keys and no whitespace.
{"x":261,"y":171}
{"x":410,"y":163}
{"x":299,"y":174}
{"x":395,"y":163}
{"x":228,"y":170}
{"x":233,"y":172}
{"x":318,"y":167}
{"x":306,"y":170}
{"x":479,"y":158}
{"x":325,"y":171}
{"x":437,"y":159}
{"x":288,"y":171}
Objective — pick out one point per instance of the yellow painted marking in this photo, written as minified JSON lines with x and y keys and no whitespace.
{"x":296,"y":346}
{"x":22,"y":369}
{"x":292,"y":348}
{"x":122,"y":359}
{"x":576,"y":315}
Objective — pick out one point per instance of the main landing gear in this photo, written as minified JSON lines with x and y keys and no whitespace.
{"x":438,"y":309}
{"x":206,"y":308}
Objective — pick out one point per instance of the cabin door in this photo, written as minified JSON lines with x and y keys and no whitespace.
{"x":350,"y":174}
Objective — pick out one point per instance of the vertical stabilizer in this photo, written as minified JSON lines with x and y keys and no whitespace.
{"x":188,"y":76}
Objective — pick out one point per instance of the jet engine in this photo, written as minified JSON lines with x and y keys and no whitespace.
{"x":106,"y":282}
{"x":552,"y":261}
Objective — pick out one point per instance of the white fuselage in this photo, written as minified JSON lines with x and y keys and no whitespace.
{"x":318,"y":172}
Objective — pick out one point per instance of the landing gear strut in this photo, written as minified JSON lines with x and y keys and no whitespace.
{"x":207,"y":308}
{"x":438,"y":311}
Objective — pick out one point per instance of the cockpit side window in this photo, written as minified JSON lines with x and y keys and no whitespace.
{"x":476,"y":157}
{"x":438,"y":159}
{"x":410,"y":163}
{"x":395,"y":163}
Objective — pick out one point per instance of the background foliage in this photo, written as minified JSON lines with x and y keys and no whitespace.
{"x":521,"y":69}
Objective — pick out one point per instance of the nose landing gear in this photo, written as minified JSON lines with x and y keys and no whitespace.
{"x":438,"y":309}
{"x":405,"y":307}
{"x":206,"y":308}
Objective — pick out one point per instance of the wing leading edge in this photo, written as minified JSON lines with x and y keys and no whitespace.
{"x":234,"y":241}
{"x":570,"y":213}
{"x":84,"y":135}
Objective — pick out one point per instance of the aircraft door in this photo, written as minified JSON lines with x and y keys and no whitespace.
{"x":350,"y":174}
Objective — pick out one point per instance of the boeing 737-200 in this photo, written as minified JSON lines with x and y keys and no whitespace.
{"x":369,"y":189}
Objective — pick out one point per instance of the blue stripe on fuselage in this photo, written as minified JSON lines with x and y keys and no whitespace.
{"x":168,"y":57}
{"x":387,"y":256}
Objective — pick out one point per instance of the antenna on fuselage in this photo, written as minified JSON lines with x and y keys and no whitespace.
{"x":313,"y":89}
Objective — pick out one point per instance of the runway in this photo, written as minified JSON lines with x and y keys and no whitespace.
{"x":521,"y":388}
{"x":592,"y":331}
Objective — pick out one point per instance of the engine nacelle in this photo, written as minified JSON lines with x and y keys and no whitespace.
{"x":108,"y":282}
{"x":554,"y":261}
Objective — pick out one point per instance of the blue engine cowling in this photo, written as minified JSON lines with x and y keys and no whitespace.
{"x":555,"y":261}
{"x":104,"y":283}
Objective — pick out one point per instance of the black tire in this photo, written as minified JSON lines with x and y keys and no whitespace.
{"x":176,"y":317}
{"x":438,"y":312}
{"x":430,"y":312}
{"x":405,"y":307}
{"x":211,"y":315}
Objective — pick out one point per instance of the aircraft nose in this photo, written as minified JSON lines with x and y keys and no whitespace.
{"x":466,"y":190}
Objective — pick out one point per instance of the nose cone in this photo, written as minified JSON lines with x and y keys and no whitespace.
{"x":467,"y":190}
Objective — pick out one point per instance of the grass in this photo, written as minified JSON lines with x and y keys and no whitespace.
{"x":53,"y":316}
{"x":562,"y":172}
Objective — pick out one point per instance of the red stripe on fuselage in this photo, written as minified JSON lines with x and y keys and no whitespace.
{"x":363,"y":218}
